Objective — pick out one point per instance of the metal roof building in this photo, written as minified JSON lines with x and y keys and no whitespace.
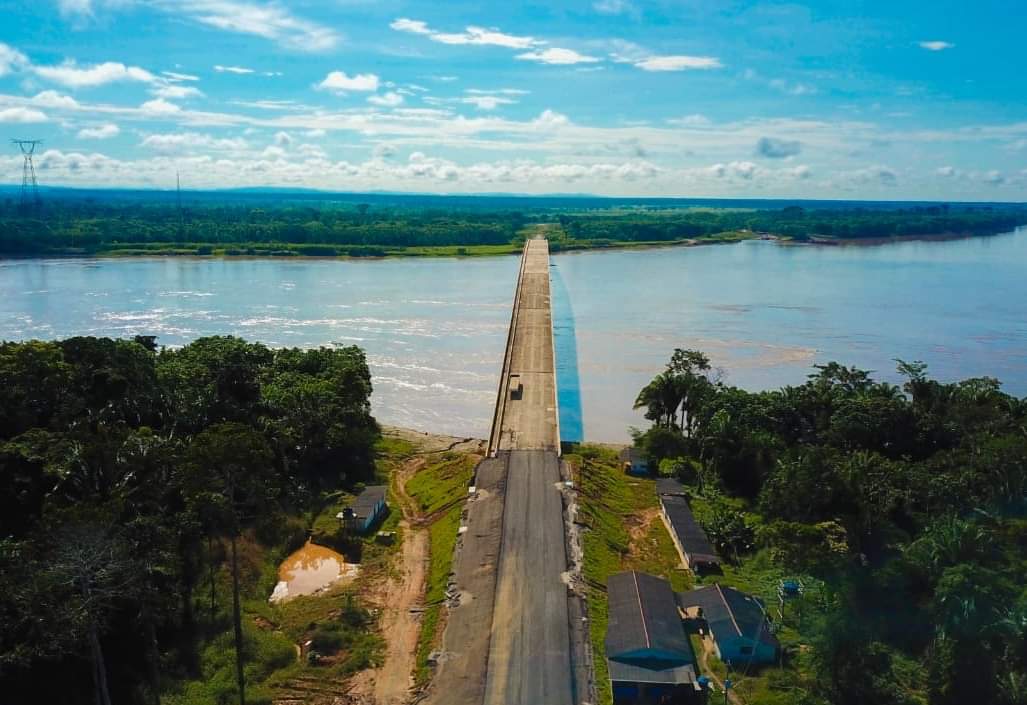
{"x":695,"y":548}
{"x":737,"y":623}
{"x":365,"y":509}
{"x":669,"y":487}
{"x":647,"y":651}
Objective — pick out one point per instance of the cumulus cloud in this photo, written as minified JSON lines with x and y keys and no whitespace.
{"x":882,"y":175}
{"x":22,"y":115}
{"x":936,"y":45}
{"x":390,"y":99}
{"x":341,"y":82}
{"x":173,"y":92}
{"x":772,"y":148}
{"x":100,"y":132}
{"x":159,"y":107}
{"x":71,"y":75}
{"x":558,"y":56}
{"x":53,"y":99}
{"x":470,"y":35}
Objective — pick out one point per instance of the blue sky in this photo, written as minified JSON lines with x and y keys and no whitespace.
{"x":919,"y":99}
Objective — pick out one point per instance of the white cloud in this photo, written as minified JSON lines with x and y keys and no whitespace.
{"x":53,"y":99}
{"x":949,"y":172}
{"x":11,"y":59}
{"x":496,"y":91}
{"x":22,"y":115}
{"x":190,"y":141}
{"x":486,"y":102}
{"x":386,"y":100}
{"x":557,"y":55}
{"x":470,"y":35}
{"x":71,"y":75}
{"x":271,"y":21}
{"x":413,"y":26}
{"x":159,"y":107}
{"x":994,"y":177}
{"x":936,"y":45}
{"x":100,"y":132}
{"x":175,"y":76}
{"x":340,"y":82}
{"x":678,"y":63}
{"x":283,"y":139}
{"x":173,"y":92}
{"x":241,"y":70}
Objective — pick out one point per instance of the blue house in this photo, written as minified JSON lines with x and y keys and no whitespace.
{"x":648,"y":654}
{"x":366,"y":509}
{"x":634,"y":462}
{"x":736,"y":623}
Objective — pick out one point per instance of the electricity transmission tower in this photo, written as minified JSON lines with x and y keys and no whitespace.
{"x":29,"y":186}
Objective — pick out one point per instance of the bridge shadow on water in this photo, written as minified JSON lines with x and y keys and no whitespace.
{"x":565,"y":347}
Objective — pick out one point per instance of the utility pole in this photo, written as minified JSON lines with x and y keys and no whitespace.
{"x":29,"y":186}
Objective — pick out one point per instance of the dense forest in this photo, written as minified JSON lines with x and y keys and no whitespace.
{"x":907,"y":504}
{"x":135,"y":486}
{"x":794,"y":223}
{"x":85,"y":226}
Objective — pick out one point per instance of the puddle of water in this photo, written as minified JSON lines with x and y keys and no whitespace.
{"x":310,"y":569}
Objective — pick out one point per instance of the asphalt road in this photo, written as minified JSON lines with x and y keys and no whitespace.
{"x":529,"y":653}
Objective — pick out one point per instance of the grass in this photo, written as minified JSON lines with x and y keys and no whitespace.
{"x":608,"y":502}
{"x":334,"y":618}
{"x":438,"y":489}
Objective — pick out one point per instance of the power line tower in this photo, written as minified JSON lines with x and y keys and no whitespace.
{"x":29,"y":185}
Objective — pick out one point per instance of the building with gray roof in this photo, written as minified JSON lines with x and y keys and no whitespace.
{"x":736,"y":622}
{"x":648,"y":653}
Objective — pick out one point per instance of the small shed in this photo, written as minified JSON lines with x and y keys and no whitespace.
{"x":365,"y":510}
{"x":648,"y":654}
{"x":696,"y":551}
{"x":634,"y":462}
{"x":736,"y":622}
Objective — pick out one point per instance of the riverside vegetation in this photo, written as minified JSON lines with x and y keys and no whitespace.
{"x":329,"y":229}
{"x":146,"y":498}
{"x":902,"y":509}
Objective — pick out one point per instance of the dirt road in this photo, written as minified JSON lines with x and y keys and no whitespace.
{"x":401,"y":592}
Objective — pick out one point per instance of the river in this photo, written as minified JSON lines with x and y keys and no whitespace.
{"x":434,"y":329}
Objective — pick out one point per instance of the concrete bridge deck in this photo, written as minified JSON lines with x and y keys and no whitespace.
{"x":516,"y":637}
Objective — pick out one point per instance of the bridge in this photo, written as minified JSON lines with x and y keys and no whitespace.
{"x":516,"y":634}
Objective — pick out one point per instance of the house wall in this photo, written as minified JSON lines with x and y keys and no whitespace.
{"x":730,"y":651}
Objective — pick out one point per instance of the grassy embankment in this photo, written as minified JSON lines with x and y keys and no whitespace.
{"x":625,"y":532}
{"x":335,"y":620}
{"x":439,"y":489}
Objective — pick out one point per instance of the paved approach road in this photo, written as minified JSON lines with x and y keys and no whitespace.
{"x":530,"y":651}
{"x":515,"y":636}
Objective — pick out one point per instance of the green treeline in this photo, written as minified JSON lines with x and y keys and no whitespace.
{"x":908,"y":503}
{"x":793,"y":222}
{"x":67,"y":227}
{"x":135,"y":484}
{"x":87,"y":227}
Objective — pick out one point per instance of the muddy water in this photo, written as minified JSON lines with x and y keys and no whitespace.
{"x":310,"y":569}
